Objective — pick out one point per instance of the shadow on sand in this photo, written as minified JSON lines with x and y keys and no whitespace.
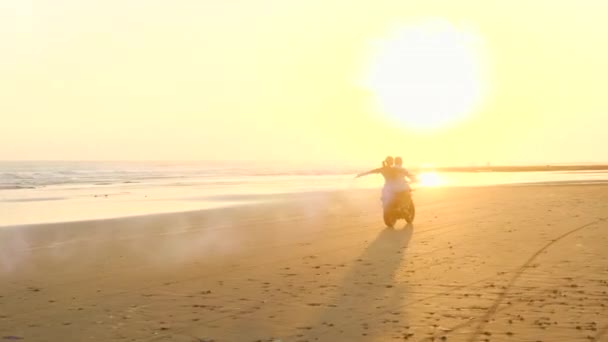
{"x":367,"y":291}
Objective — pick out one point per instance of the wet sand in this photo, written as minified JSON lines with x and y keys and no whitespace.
{"x":511,"y":263}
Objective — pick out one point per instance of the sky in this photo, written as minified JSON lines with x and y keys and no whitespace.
{"x":438,"y":82}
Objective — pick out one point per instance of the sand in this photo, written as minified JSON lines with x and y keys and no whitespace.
{"x":511,"y":263}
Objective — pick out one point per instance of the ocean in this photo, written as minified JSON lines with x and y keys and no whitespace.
{"x":42,"y":192}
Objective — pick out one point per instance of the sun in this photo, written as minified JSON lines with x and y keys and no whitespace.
{"x":427,"y":75}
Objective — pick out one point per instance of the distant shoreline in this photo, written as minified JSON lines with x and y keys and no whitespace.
{"x":527,"y":168}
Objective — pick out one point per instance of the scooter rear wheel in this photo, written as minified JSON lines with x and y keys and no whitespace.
{"x":411,"y":213}
{"x":390,"y":218}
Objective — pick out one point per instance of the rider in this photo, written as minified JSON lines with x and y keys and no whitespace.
{"x":394,"y":181}
{"x":401,"y":183}
{"x":402,"y":187}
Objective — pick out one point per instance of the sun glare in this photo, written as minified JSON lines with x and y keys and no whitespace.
{"x":430,"y":179}
{"x":427,"y":75}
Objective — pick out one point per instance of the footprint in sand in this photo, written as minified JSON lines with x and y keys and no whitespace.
{"x":314,"y":304}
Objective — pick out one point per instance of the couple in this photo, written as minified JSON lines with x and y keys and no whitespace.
{"x":395,"y":184}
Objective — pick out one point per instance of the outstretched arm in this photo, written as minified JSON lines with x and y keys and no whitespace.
{"x":369,"y":172}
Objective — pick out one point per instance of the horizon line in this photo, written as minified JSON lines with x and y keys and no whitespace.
{"x":421,"y":164}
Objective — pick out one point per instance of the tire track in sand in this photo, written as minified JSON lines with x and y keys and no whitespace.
{"x":601,"y":333}
{"x":493,"y":309}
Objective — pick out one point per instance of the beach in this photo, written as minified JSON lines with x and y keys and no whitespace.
{"x":496,"y":263}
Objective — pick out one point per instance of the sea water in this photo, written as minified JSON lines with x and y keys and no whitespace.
{"x":43,"y":192}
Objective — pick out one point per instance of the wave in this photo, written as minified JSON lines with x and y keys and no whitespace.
{"x":16,"y":187}
{"x":29,"y":175}
{"x":39,"y":199}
